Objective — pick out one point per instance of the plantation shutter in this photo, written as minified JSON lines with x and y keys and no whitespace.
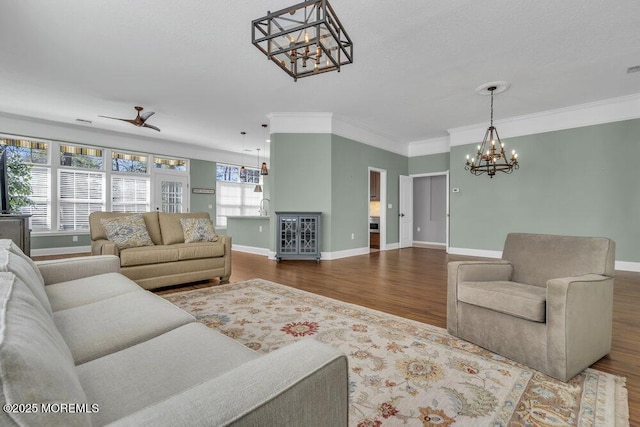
{"x":40,"y":211}
{"x":130,"y":194}
{"x":81,"y":192}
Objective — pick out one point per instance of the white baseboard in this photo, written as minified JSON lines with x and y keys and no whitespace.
{"x":429,"y":245}
{"x":344,"y":254}
{"x":475,"y":252}
{"x":61,"y":251}
{"x":251,"y":250}
{"x":628,"y":266}
{"x":392,"y":246}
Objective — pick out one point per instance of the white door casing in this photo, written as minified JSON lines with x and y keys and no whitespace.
{"x":171,"y":193}
{"x":405,"y":211}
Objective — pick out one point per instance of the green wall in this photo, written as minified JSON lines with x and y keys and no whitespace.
{"x":329,"y":173}
{"x":246,"y":232}
{"x":59,"y":241}
{"x":580,"y":181}
{"x":350,"y":162}
{"x":301,"y":178}
{"x":203,"y":175}
{"x":429,"y":163}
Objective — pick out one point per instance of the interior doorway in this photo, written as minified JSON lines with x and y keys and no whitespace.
{"x":377,"y":219}
{"x":431,"y":210}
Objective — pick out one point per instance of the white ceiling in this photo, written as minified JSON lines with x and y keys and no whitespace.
{"x":417,"y":63}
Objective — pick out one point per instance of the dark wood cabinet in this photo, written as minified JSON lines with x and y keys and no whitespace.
{"x":374,"y":240}
{"x":16,"y":228}
{"x":374,"y":186}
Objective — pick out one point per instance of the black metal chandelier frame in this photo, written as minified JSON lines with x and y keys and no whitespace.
{"x":491,"y":157}
{"x":303,"y":40}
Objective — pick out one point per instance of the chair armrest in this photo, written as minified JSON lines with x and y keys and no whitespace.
{"x":471,"y":271}
{"x":302,"y":384}
{"x":579,"y":321}
{"x":104,"y":247}
{"x":62,"y":270}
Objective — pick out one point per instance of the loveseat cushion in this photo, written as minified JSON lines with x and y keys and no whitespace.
{"x":148,"y":255}
{"x":87,"y":290}
{"x":515,"y":299}
{"x":13,"y":260}
{"x":199,"y":250}
{"x":171,"y":228}
{"x":160,"y":368}
{"x":35,"y":364}
{"x":103,"y":327}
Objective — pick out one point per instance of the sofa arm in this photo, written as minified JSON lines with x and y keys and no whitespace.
{"x":62,"y":270}
{"x":471,"y":271}
{"x":579,"y":322}
{"x":104,"y":247}
{"x":226,"y":240}
{"x":302,"y":384}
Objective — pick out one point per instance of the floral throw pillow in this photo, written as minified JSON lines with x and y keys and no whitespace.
{"x":127,"y":231}
{"x":198,"y":230}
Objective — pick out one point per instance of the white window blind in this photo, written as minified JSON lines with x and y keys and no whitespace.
{"x":130,"y":194}
{"x":235,"y":199}
{"x":79,"y":194}
{"x":41,"y":197}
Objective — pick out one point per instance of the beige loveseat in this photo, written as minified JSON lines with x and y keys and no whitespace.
{"x":81,"y":345}
{"x":169,"y":261}
{"x":548,"y":303}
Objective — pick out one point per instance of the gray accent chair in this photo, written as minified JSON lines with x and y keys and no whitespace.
{"x":547,"y":303}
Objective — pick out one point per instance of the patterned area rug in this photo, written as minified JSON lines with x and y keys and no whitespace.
{"x":403,"y":372}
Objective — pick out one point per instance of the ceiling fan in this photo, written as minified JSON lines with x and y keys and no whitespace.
{"x":140,"y":120}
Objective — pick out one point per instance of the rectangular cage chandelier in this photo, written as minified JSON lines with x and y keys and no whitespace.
{"x":303,"y":40}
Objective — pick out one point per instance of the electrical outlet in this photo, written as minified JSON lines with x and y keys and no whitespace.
{"x":74,"y":238}
{"x":210,"y":206}
{"x":260,"y":228}
{"x":418,"y":229}
{"x":353,"y":236}
{"x":390,"y":206}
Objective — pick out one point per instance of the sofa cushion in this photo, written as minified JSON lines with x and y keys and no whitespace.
{"x":98,"y":232}
{"x":152,"y":367}
{"x":171,"y":228}
{"x":515,"y":299}
{"x":23,"y":267}
{"x":83,"y":291}
{"x":199,"y":250}
{"x":198,"y":230}
{"x":127,"y":231}
{"x":148,"y":255}
{"x":103,"y":327}
{"x":35,"y":364}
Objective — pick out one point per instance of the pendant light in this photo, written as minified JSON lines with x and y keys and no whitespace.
{"x":263,"y":169}
{"x":243,"y":170}
{"x":258,"y":187}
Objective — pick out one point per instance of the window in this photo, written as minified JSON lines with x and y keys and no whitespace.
{"x":36,"y":155}
{"x":130,"y":184}
{"x":172,"y":164}
{"x":80,"y":187}
{"x":235,"y":195}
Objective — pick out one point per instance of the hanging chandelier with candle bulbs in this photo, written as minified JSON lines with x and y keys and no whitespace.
{"x":303,"y":40}
{"x":491,"y":157}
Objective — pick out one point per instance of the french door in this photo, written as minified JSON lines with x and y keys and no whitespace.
{"x":171,"y":193}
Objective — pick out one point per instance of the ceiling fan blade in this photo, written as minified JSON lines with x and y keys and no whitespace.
{"x":117,"y":118}
{"x":146,"y":115}
{"x":150,"y":126}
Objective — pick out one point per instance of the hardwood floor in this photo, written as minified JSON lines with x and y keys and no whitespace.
{"x":412,"y":283}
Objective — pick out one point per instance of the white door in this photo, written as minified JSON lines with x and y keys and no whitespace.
{"x":171,"y":193}
{"x":406,"y":211}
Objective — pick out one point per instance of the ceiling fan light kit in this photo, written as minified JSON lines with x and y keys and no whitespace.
{"x":140,"y":120}
{"x":303,"y":40}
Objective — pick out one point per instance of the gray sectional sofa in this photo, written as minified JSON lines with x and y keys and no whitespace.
{"x":81,"y":344}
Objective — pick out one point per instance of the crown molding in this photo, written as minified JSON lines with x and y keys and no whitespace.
{"x":593,"y":113}
{"x":429,"y":146}
{"x":331,"y":123}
